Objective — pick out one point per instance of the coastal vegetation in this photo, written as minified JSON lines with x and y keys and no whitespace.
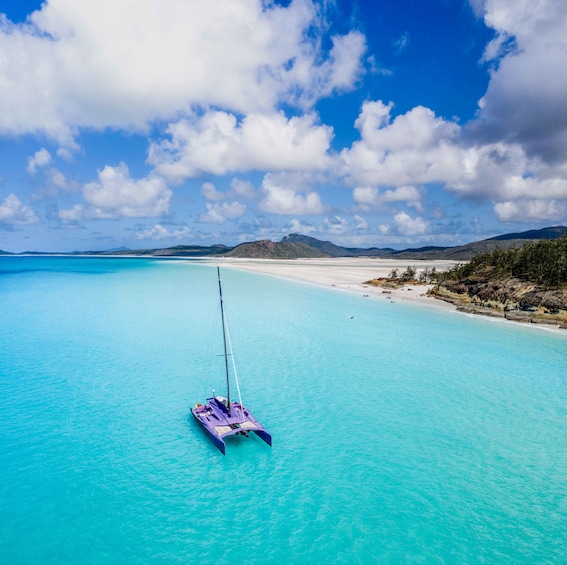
{"x":525,"y":284}
{"x":409,"y":276}
{"x":543,"y":263}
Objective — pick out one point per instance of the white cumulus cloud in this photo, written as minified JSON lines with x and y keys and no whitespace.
{"x":297,"y":226}
{"x":159,"y":232}
{"x":218,"y":213}
{"x":413,"y":148}
{"x":280,"y":198}
{"x":242,"y":188}
{"x":13,"y":212}
{"x":40,"y":158}
{"x":209,"y":191}
{"x":217,"y":143}
{"x":527,"y":210}
{"x":417,"y":148}
{"x":517,"y":148}
{"x":336,"y":225}
{"x":238,"y":189}
{"x":117,"y":195}
{"x":124,"y":63}
{"x":404,"y":224}
{"x":369,"y":198}
{"x":503,"y":173}
{"x":526,"y":100}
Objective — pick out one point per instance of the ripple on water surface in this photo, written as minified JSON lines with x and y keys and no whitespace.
{"x":400,"y":435}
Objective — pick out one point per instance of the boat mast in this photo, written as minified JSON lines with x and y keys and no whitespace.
{"x":224,"y":342}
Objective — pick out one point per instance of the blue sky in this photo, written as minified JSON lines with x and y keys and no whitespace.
{"x":372,"y":123}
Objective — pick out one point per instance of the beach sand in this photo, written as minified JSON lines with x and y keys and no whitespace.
{"x":347,"y":274}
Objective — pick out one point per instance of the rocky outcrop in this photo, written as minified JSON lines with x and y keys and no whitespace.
{"x":512,"y":299}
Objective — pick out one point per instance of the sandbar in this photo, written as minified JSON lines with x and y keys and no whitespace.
{"x":346,"y":274}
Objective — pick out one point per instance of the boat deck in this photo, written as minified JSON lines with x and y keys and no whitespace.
{"x":214,"y":417}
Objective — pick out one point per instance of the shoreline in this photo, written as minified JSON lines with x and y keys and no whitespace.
{"x":346,"y":274}
{"x":349,"y":274}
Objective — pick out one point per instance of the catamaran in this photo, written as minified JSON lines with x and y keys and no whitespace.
{"x":221,"y":417}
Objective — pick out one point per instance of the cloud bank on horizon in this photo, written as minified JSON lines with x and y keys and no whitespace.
{"x":129,"y":123}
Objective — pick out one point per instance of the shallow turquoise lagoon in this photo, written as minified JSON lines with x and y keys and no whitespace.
{"x":402,"y":435}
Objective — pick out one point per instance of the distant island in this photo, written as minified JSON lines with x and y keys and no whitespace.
{"x":297,"y":246}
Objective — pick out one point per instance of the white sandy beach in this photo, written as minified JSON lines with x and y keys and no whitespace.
{"x":346,"y":274}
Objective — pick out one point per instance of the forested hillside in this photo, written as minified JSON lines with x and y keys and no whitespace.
{"x":526,"y":284}
{"x":543,"y":263}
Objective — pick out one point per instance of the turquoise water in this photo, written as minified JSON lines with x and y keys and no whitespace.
{"x":403,"y":435}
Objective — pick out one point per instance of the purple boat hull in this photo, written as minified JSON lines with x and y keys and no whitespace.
{"x":216,"y":421}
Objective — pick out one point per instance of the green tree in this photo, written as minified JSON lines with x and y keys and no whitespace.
{"x":408,"y":274}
